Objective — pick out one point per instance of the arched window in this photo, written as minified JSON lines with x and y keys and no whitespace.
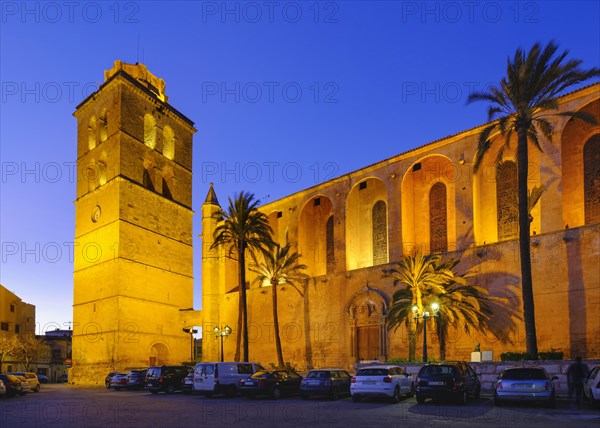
{"x":103,"y":120}
{"x":591,"y":179}
{"x":438,"y":219}
{"x":149,"y":131}
{"x":506,"y":199}
{"x":329,"y":245}
{"x":92,"y":126}
{"x":168,"y":143}
{"x":380,"y":255}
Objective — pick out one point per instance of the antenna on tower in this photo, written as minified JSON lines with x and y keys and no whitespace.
{"x":138,"y":50}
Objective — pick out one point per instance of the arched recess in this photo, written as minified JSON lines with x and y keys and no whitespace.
{"x":359,"y":221}
{"x":148,"y":178}
{"x":159,"y":354}
{"x":366,"y":313}
{"x":485,"y":189}
{"x":379,"y":235}
{"x":168,"y":182}
{"x":312,"y":234}
{"x":575,"y":137}
{"x":92,"y":130}
{"x":149,"y":131}
{"x":429,"y":177}
{"x":591,"y":179}
{"x":168,"y":142}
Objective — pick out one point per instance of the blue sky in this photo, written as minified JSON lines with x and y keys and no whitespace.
{"x":285,"y":95}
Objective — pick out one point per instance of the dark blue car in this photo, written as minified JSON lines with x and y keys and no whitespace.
{"x":330,"y":383}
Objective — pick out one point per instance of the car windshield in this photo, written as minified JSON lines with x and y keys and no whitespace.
{"x":437,"y":371}
{"x":372,"y":372}
{"x":318,"y":375}
{"x":261,"y":375}
{"x":524,"y":374}
{"x":154,"y":371}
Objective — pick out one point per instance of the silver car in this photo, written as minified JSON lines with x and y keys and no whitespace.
{"x":525,"y":384}
{"x":591,"y":387}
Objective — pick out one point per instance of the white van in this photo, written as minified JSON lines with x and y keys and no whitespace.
{"x":222,"y":378}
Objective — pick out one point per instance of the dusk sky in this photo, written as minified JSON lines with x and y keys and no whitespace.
{"x":285,"y":95}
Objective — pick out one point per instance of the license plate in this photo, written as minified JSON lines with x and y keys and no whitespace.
{"x":523,"y":385}
{"x":368,"y":382}
{"x":249,"y":382}
{"x":436,"y":383}
{"x":314,"y":382}
{"x":199,"y":380}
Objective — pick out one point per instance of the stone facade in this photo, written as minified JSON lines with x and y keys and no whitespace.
{"x":133,"y":273}
{"x":339,"y":316}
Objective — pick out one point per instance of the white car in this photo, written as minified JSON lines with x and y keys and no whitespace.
{"x":2,"y":387}
{"x":34,"y":383}
{"x":381,"y":381}
{"x":591,"y":387}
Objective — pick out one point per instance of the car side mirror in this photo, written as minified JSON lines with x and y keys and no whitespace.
{"x":554,"y":377}
{"x":498,"y":377}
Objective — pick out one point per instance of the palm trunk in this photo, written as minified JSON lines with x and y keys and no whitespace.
{"x":238,"y":336}
{"x":276,"y":327}
{"x":442,"y":329}
{"x":242,"y":277}
{"x":524,"y":249}
{"x":412,"y":338}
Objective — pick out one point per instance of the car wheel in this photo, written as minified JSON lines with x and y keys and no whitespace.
{"x":37,"y":388}
{"x":396,"y":397}
{"x":107,"y":385}
{"x":230,"y":391}
{"x":412,"y":390}
{"x":170,"y":389}
{"x":153,"y":391}
{"x":356,"y":398}
{"x":276,"y":393}
{"x":552,"y":403}
{"x":420,"y":399}
{"x":335,"y":394}
{"x":594,"y":402}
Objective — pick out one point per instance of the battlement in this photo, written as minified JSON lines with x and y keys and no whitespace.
{"x":140,"y":73}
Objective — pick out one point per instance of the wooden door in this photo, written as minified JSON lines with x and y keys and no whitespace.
{"x":367,"y":339}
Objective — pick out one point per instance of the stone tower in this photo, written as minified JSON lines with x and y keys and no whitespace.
{"x":133,"y":273}
{"x":219,"y":285}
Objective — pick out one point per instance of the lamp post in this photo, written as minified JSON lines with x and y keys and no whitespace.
{"x":435,"y":308}
{"x":222,"y":332}
{"x":191,"y":331}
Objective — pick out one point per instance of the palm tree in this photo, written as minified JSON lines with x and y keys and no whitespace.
{"x":420,"y":277}
{"x":462,"y":306}
{"x":525,"y":101}
{"x":242,"y":227}
{"x":280,"y":266}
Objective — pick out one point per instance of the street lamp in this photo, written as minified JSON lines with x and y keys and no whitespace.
{"x":191,"y":331}
{"x":435,"y":308}
{"x":222,"y":332}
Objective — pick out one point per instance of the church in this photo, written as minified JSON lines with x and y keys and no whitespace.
{"x":428,"y":199}
{"x":133,"y":266}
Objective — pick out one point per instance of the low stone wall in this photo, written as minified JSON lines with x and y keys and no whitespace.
{"x":489,"y":371}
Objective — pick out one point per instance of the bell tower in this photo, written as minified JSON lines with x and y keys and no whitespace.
{"x":133,"y":255}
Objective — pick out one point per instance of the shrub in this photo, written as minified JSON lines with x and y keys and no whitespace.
{"x":552,"y":354}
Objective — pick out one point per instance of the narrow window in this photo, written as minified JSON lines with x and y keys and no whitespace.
{"x":506,"y":200}
{"x":168,"y":142}
{"x":329,"y":245}
{"x":92,"y":126}
{"x":438,"y":223}
{"x":591,"y":179}
{"x":379,"y":218}
{"x":362,"y":185}
{"x":149,"y":131}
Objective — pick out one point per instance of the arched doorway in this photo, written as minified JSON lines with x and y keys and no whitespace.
{"x":159,"y":354}
{"x":366,"y":312}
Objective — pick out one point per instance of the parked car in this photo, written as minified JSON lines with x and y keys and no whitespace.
{"x":2,"y":388}
{"x":591,"y":387}
{"x":119,"y":381}
{"x":108,"y":378}
{"x":12,"y":384}
{"x":532,"y":384}
{"x":381,"y":381}
{"x":25,"y":388}
{"x":43,"y":378}
{"x":32,"y":378}
{"x":63,"y":378}
{"x":452,"y":380}
{"x":165,"y":378}
{"x":187,"y":386}
{"x":136,"y":378}
{"x":222,"y":378}
{"x":273,"y":383}
{"x":326,"y":382}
